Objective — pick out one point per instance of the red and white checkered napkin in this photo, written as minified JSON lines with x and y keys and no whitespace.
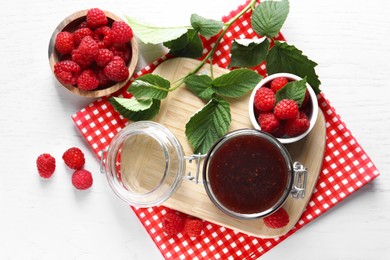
{"x":346,"y":168}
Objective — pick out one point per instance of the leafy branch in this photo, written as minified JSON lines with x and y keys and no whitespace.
{"x":213,"y":120}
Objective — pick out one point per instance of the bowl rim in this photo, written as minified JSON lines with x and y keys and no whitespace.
{"x":313,"y":98}
{"x":98,"y":92}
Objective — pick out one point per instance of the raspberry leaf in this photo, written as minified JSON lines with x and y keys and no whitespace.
{"x":200,"y":85}
{"x":294,"y":90}
{"x":188,"y":45}
{"x":268,"y":17}
{"x":134,"y":109}
{"x":206,"y":27}
{"x":236,"y":83}
{"x":208,"y":125}
{"x":155,"y":34}
{"x":248,"y":53}
{"x":287,"y":58}
{"x":150,"y":86}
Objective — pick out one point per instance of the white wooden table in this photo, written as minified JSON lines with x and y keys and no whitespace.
{"x":50,"y":220}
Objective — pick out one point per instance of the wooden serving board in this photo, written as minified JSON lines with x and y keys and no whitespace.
{"x":191,"y":198}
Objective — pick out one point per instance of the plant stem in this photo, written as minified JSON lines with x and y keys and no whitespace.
{"x":226,"y":28}
{"x":209,"y":55}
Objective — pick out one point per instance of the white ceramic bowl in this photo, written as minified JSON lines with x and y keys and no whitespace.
{"x":313,"y":103}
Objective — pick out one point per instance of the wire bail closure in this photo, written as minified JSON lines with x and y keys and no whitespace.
{"x":198,"y":157}
{"x":300,"y":179}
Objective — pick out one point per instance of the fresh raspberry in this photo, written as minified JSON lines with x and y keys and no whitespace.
{"x":64,"y":43}
{"x":81,"y":59}
{"x":278,"y":83}
{"x":102,"y":78}
{"x":268,"y":122}
{"x":101,"y":34}
{"x":103,"y":57}
{"x":173,"y":222}
{"x":74,"y":158}
{"x":278,"y":219}
{"x":83,"y":24}
{"x":264,"y":99}
{"x":67,"y":71}
{"x":46,"y":165}
{"x":87,"y":80}
{"x":116,"y":69}
{"x":96,"y":18}
{"x":88,"y":47}
{"x":286,"y":109}
{"x":82,"y":179}
{"x":297,"y":126}
{"x":193,"y":226}
{"x":122,"y":50}
{"x":121,"y":32}
{"x":79,"y":34}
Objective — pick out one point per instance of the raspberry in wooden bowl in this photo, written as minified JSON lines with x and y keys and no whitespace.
{"x":93,"y":53}
{"x":285,"y":106}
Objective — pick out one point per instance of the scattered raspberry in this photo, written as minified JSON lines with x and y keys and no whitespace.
{"x":64,"y":42}
{"x":87,"y":80}
{"x":121,"y":32}
{"x":116,"y":70}
{"x":67,"y":71}
{"x":268,"y":122}
{"x":286,"y":109}
{"x":173,"y":222}
{"x":278,"y":219}
{"x":103,"y":57}
{"x":193,"y":226}
{"x":82,"y":179}
{"x":278,"y":83}
{"x":46,"y":165}
{"x":74,"y":158}
{"x":264,"y":99}
{"x":79,"y":34}
{"x":96,"y":18}
{"x":297,"y":126}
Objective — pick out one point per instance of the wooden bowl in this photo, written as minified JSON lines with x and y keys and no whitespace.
{"x":70,"y":23}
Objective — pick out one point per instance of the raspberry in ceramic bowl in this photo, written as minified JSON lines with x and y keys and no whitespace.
{"x":285,"y":106}
{"x":93,"y":53}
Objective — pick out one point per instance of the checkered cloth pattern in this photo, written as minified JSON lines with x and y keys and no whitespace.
{"x":345,"y":169}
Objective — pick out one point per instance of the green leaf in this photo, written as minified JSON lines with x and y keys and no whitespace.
{"x":200,"y":85}
{"x":287,"y":58}
{"x":236,"y":83}
{"x":294,"y":90}
{"x":206,"y":27}
{"x":155,"y":34}
{"x":134,"y":109}
{"x":150,"y":86}
{"x":269,"y":16}
{"x":248,"y":53}
{"x":208,"y":125}
{"x":189,"y":45}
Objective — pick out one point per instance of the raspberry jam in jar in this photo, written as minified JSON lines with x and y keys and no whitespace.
{"x":248,"y":174}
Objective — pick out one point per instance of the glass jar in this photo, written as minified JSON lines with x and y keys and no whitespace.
{"x":145,"y":164}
